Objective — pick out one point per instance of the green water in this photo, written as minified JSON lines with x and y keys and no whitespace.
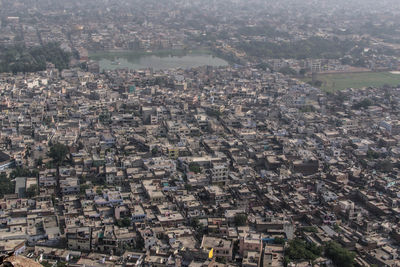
{"x":157,"y":60}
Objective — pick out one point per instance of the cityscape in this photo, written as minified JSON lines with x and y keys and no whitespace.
{"x":202,"y":133}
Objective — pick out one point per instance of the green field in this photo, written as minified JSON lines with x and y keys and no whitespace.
{"x":340,"y":81}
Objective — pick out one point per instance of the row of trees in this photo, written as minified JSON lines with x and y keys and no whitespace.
{"x":22,"y":59}
{"x":314,"y":47}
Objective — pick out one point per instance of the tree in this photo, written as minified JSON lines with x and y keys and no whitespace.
{"x":288,"y":71}
{"x":124,"y":222}
{"x":19,"y":58}
{"x":61,"y":264}
{"x":31,"y":191}
{"x":22,"y":172}
{"x":385,"y":165}
{"x":221,"y":260}
{"x":309,"y":229}
{"x":264,"y":66}
{"x":154,"y":151}
{"x":300,"y":250}
{"x":307,"y":108}
{"x":240,"y":219}
{"x":279,"y":240}
{"x":313,"y":47}
{"x":316,"y":83}
{"x":213,"y":113}
{"x":99,"y":191}
{"x":339,"y":255}
{"x":303,"y":72}
{"x":194,"y":167}
{"x":139,"y":243}
{"x":105,"y":117}
{"x":83,"y":188}
{"x":6,"y":185}
{"x":372,"y":154}
{"x":58,"y":153}
{"x":188,"y":187}
{"x":365,"y":103}
{"x":39,"y":162}
{"x":199,"y":228}
{"x":195,"y":223}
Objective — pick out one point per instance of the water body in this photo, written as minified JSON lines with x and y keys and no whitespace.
{"x":157,"y":61}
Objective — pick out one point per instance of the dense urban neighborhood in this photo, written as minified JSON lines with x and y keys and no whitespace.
{"x":252,"y":164}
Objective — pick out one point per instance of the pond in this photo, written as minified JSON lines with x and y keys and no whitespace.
{"x":157,"y":60}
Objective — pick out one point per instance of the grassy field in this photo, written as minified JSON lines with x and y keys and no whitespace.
{"x":340,"y":81}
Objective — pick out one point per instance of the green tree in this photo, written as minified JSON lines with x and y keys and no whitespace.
{"x":307,"y":108}
{"x":22,"y":172}
{"x":339,"y":255}
{"x":303,"y":72}
{"x":83,"y":188}
{"x":105,"y":117}
{"x":264,"y":66}
{"x":240,"y":219}
{"x":386,"y":165}
{"x":61,"y":264}
{"x":309,"y":229}
{"x":99,"y":191}
{"x":279,"y":240}
{"x":154,"y":151}
{"x":288,"y":71}
{"x":194,"y":167}
{"x":188,"y":187}
{"x":31,"y":191}
{"x":6,"y":185}
{"x":124,"y":222}
{"x":221,"y":260}
{"x":39,"y":162}
{"x":300,"y":250}
{"x":365,"y":103}
{"x":199,"y":228}
{"x":195,"y":223}
{"x":19,"y":58}
{"x":139,"y":245}
{"x":313,"y":47}
{"x":371,"y":154}
{"x":58,"y":153}
{"x":316,"y":83}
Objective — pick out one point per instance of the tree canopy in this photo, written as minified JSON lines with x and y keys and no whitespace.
{"x":124,"y":222}
{"x":23,"y":172}
{"x":194,"y":167}
{"x":6,"y":185}
{"x":22,"y":59}
{"x":288,"y":71}
{"x":240,"y":219}
{"x":301,"y":250}
{"x":58,"y":153}
{"x":31,"y":191}
{"x":313,"y":47}
{"x":339,"y":255}
{"x":365,"y":103}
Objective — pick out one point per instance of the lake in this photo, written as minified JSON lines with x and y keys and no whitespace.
{"x":157,"y":60}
